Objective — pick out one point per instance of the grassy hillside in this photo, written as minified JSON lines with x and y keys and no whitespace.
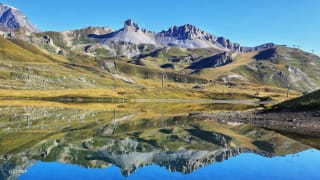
{"x":281,"y":67}
{"x":177,"y":58}
{"x":29,"y":67}
{"x":24,"y":66}
{"x":278,"y":67}
{"x":309,"y":101}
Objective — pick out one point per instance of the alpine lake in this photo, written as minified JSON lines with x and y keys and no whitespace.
{"x":146,"y":140}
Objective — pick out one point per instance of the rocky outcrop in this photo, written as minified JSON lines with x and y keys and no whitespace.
{"x":130,"y":33}
{"x":226,"y":43}
{"x":189,"y":36}
{"x":84,"y":33}
{"x":11,"y":167}
{"x":126,"y":40}
{"x":259,"y":48}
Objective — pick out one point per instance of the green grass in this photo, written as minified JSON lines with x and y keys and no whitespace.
{"x":145,"y":72}
{"x":309,"y":101}
{"x":267,"y":71}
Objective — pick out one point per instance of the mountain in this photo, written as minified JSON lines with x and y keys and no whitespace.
{"x":13,"y":19}
{"x":131,"y":33}
{"x":130,"y":41}
{"x":186,"y":53}
{"x":189,"y":36}
{"x":275,"y":67}
{"x":125,"y":40}
{"x":70,"y":41}
{"x":283,"y":66}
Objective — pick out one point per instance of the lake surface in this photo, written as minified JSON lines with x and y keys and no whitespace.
{"x":47,"y":140}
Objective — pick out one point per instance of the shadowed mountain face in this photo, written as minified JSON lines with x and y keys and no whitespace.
{"x":309,"y":101}
{"x":213,"y":61}
{"x":266,"y":54}
{"x":127,"y":138}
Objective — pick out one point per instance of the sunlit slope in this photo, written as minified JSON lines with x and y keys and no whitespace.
{"x":24,"y":66}
{"x":283,"y":67}
{"x":280,"y":67}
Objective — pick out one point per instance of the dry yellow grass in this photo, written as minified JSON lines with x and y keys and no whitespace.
{"x":17,"y":53}
{"x":239,"y":60}
{"x":175,"y":91}
{"x":58,"y":93}
{"x":35,"y":103}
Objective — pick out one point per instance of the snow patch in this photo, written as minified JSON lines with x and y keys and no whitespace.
{"x":125,"y":79}
{"x":232,"y":76}
{"x":11,"y":7}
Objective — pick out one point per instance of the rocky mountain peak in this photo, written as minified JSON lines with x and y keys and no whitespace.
{"x":129,"y":24}
{"x":13,"y":19}
{"x":7,"y":6}
{"x":186,"y":31}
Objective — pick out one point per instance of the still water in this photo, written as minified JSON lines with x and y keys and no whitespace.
{"x":45,"y":140}
{"x":302,"y":165}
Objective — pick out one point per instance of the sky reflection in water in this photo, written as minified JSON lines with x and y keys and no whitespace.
{"x":304,"y":165}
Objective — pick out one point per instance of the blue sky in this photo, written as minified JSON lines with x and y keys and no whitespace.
{"x":248,"y":22}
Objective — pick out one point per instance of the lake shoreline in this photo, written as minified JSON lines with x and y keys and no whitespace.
{"x":301,"y":122}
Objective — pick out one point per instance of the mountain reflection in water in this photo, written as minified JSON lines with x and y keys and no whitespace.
{"x":127,"y":136}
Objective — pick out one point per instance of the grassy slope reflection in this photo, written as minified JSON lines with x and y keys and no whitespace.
{"x":134,"y":135}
